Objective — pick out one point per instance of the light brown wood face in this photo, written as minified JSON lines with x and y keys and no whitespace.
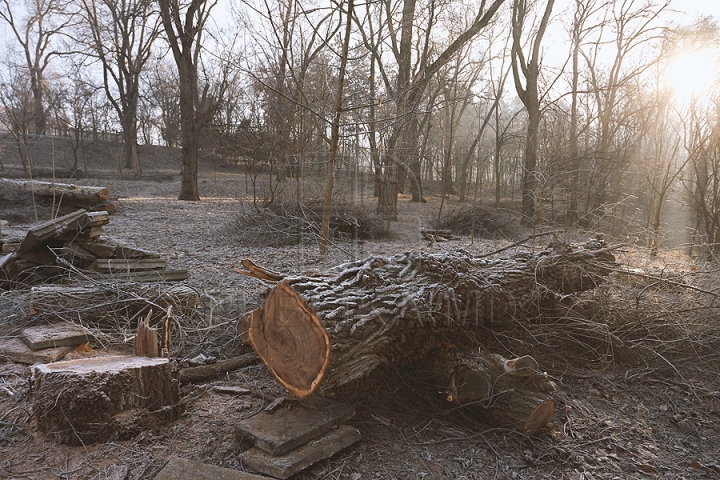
{"x":290,"y":340}
{"x":540,"y":417}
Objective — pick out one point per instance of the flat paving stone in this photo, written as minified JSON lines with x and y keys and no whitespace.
{"x":284,"y":429}
{"x":181,"y":469}
{"x":284,"y":466}
{"x":57,"y":335}
{"x":15,"y":349}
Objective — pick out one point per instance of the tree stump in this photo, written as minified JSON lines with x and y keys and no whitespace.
{"x":84,"y":401}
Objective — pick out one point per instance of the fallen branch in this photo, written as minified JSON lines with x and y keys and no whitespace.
{"x":207,"y":372}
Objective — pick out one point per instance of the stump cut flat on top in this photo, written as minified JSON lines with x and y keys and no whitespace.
{"x":103,"y":398}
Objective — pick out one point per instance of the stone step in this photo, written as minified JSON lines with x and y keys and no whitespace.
{"x":284,"y":466}
{"x":287,"y":428}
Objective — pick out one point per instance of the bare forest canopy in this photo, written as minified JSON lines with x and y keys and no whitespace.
{"x":598,"y":113}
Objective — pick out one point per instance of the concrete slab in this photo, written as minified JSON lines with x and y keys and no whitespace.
{"x":15,"y":350}
{"x":182,"y":469}
{"x":285,"y":429}
{"x":302,"y":457}
{"x":57,"y":335}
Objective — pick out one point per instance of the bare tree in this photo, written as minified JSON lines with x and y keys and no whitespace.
{"x":184,"y":25}
{"x":16,"y":98}
{"x":529,"y":69}
{"x":121,"y":35}
{"x":633,"y":25}
{"x":702,"y":142}
{"x":700,"y":129}
{"x":35,"y":27}
{"x":292,"y":67}
{"x":79,"y":96}
{"x":163,"y":92}
{"x":584,"y":10}
{"x":409,"y":87}
{"x":335,"y":132}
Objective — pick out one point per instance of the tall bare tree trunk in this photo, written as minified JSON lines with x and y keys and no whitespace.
{"x":38,"y":107}
{"x":529,"y":180}
{"x":529,"y":95}
{"x":130,"y":149}
{"x":184,"y":40}
{"x":335,"y":135}
{"x":189,"y":143}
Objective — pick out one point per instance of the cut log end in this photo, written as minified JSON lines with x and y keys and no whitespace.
{"x":290,"y":340}
{"x":540,"y":417}
{"x":468,"y":385}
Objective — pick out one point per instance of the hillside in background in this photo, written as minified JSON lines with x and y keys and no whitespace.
{"x":92,"y":159}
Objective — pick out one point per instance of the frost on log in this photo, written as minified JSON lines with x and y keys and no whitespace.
{"x":323,"y":331}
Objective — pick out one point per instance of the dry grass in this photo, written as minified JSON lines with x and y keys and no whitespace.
{"x":653,"y":413}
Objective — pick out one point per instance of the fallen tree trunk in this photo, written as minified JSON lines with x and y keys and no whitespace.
{"x":101,"y":304}
{"x":336,"y":328}
{"x":66,"y":191}
{"x":64,"y":196}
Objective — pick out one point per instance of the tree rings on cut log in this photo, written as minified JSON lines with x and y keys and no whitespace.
{"x":290,"y":340}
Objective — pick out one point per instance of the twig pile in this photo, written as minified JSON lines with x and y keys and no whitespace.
{"x":283,"y":224}
{"x":484,"y":222}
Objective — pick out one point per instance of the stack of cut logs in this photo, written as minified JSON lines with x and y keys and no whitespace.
{"x":50,"y":250}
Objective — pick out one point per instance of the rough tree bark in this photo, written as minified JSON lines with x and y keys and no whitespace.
{"x":530,"y":97}
{"x":396,"y":310}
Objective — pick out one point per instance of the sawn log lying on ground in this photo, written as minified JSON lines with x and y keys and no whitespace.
{"x":321,"y":332}
{"x":66,"y":197}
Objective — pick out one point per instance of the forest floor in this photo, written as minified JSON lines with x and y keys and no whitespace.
{"x":658,"y":419}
